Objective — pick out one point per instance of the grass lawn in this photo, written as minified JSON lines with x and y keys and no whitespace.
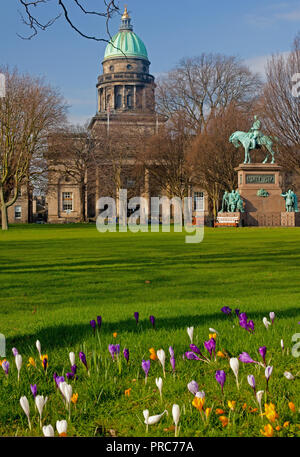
{"x":55,"y":279}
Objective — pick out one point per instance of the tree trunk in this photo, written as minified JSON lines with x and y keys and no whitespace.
{"x":3,"y":207}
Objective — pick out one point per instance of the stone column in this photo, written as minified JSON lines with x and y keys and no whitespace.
{"x":134,"y":96}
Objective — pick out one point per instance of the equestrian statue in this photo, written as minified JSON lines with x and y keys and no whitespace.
{"x":253,"y":139}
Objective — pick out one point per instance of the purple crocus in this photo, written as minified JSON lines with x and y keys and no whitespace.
{"x":171,"y":351}
{"x":82,"y":357}
{"x":272,"y":317}
{"x":15,"y":351}
{"x":193,"y":387}
{"x":237,"y":312}
{"x":126,"y":354}
{"x":210,"y":346}
{"x":226,"y":310}
{"x":195,"y":349}
{"x":172,"y":362}
{"x":70,"y":375}
{"x":136,"y":316}
{"x":152,"y":320}
{"x":99,"y":321}
{"x":33,"y":388}
{"x":191,"y":356}
{"x":112,"y":350}
{"x":250,"y":326}
{"x":221,"y":378}
{"x":45,"y":363}
{"x":59,"y":379}
{"x":146,"y":368}
{"x":93,"y":325}
{"x":74,"y":369}
{"x":245,"y":358}
{"x":262,"y":350}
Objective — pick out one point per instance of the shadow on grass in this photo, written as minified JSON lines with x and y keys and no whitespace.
{"x":62,"y":335}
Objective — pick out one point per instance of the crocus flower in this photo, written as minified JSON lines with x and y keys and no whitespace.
{"x":136,"y":316}
{"x":172,"y":362}
{"x":176,"y":417}
{"x":40,"y":402}
{"x":146,"y":368}
{"x":93,"y":325}
{"x":48,"y":431}
{"x":251,"y":382}
{"x":191,"y":356}
{"x":282,"y":345}
{"x":259,"y":395}
{"x":190,"y":331}
{"x":38,"y":346}
{"x":159,"y":384}
{"x":66,"y":390}
{"x":266,"y":323}
{"x":72,"y":358}
{"x":58,"y":379}
{"x":74,"y":369}
{"x":237,"y":312}
{"x":15,"y":351}
{"x":112,"y":350}
{"x":5,"y":366}
{"x":262,"y":350}
{"x":45,"y":361}
{"x":33,"y":389}
{"x":25,"y":406}
{"x":69,"y":375}
{"x":82,"y":357}
{"x":288,"y":375}
{"x":234,"y":365}
{"x":226,"y":310}
{"x":268,"y":372}
{"x":99,"y":321}
{"x":162,"y":358}
{"x":193,"y":387}
{"x":212,"y":330}
{"x":210,"y":346}
{"x":195,"y":349}
{"x":245,"y":358}
{"x":250,"y":326}
{"x":152,"y":420}
{"x":126,"y":354}
{"x":152,"y":320}
{"x":18,"y":361}
{"x":272,"y":317}
{"x":221,"y":378}
{"x":61,"y":427}
{"x":171,"y":351}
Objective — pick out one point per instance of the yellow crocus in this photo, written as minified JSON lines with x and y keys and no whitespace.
{"x":115,"y":334}
{"x":127,"y":392}
{"x":219,"y":411}
{"x":212,"y":335}
{"x":153,"y":355}
{"x":220,"y":354}
{"x":267,"y":431}
{"x":31,"y":362}
{"x":207,"y":412}
{"x":231,"y":405}
{"x":286,"y":424}
{"x":270,"y":412}
{"x":198,"y":402}
{"x":74,"y":398}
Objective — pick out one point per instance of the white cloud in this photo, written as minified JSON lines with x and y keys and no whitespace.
{"x":272,"y":14}
{"x":258,"y":64}
{"x":78,"y":120}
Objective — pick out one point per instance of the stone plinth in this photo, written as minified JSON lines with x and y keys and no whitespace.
{"x":228,"y":218}
{"x":266,"y":179}
{"x":290,"y":219}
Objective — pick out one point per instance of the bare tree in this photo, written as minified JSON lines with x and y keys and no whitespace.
{"x":212,"y":158}
{"x":28,"y":112}
{"x":32,"y":11}
{"x":199,"y":86}
{"x":71,"y":154}
{"x":280,"y":107}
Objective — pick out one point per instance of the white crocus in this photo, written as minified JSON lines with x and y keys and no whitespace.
{"x":176,"y":417}
{"x":25,"y":406}
{"x":40,"y":402}
{"x":190,"y":331}
{"x":152,"y":420}
{"x":38,"y":346}
{"x":282,"y":345}
{"x":18,"y":361}
{"x":66,"y":390}
{"x":288,"y":375}
{"x":48,"y":430}
{"x":259,"y":395}
{"x":61,"y":427}
{"x":266,"y":323}
{"x":159,"y":384}
{"x":72,"y":358}
{"x":272,"y":316}
{"x":162,"y":358}
{"x":234,"y":365}
{"x":213,"y":330}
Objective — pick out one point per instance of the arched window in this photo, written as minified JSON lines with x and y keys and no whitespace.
{"x":119,"y":101}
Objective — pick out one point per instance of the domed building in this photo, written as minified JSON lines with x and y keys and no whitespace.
{"x":126,"y":88}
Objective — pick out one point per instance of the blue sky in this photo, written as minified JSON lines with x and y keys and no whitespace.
{"x":170,"y":29}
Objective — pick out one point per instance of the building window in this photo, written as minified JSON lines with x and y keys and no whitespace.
{"x":198,"y":201}
{"x":129,"y":101}
{"x":129,"y":67}
{"x":111,"y":68}
{"x":119,"y":101}
{"x":67,"y":201}
{"x":18,"y":212}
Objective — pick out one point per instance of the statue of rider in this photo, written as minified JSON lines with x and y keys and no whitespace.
{"x":255,"y":132}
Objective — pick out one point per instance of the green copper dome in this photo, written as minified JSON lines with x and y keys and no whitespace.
{"x":125,"y":43}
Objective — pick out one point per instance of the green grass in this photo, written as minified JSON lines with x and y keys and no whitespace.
{"x":55,"y":279}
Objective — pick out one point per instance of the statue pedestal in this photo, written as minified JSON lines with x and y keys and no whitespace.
{"x":230,"y":219}
{"x":268,"y":179}
{"x":291,"y":219}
